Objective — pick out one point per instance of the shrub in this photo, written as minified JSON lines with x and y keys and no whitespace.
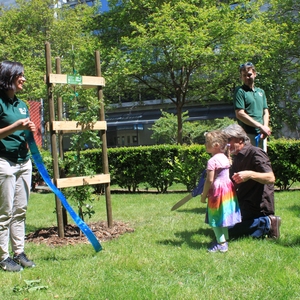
{"x":285,"y":158}
{"x":161,"y":166}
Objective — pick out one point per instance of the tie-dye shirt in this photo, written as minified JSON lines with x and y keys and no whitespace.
{"x":222,"y":207}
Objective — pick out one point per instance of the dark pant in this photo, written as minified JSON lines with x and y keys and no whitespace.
{"x":251,"y":225}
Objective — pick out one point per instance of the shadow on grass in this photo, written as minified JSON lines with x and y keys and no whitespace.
{"x":197,"y":210}
{"x":295,"y":209}
{"x":31,"y":228}
{"x":289,"y":242}
{"x":189,"y":238}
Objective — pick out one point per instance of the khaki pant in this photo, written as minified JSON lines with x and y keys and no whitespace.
{"x":15,"y":184}
{"x":262,"y":143}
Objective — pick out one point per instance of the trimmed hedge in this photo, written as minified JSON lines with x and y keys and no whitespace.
{"x":153,"y":166}
{"x":163,"y":165}
{"x":285,"y":157}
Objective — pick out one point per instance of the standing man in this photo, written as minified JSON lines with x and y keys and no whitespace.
{"x":251,"y":109}
{"x":253,"y":179}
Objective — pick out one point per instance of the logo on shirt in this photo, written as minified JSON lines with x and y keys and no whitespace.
{"x":260,"y":94}
{"x":22,"y":111}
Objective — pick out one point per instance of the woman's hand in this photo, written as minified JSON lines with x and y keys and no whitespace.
{"x":26,"y":124}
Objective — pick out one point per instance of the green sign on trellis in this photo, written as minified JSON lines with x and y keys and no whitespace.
{"x":74,"y":79}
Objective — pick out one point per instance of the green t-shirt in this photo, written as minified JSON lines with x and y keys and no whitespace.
{"x":14,"y":146}
{"x":253,"y":102}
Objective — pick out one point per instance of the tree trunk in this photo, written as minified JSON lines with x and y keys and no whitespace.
{"x":179,"y":124}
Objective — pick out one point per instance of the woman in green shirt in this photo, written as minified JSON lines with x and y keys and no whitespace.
{"x":15,"y":167}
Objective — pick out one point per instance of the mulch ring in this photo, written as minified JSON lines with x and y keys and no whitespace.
{"x":73,"y":235}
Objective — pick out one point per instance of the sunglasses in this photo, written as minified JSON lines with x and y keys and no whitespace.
{"x":247,"y":64}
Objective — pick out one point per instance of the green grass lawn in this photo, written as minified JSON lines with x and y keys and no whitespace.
{"x":165,"y":258}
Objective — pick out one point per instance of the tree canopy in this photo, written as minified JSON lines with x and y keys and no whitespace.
{"x":186,"y":50}
{"x":280,"y":70}
{"x":26,"y":27}
{"x":178,"y":50}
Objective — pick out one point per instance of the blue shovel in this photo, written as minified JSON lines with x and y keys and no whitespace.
{"x":195,"y":192}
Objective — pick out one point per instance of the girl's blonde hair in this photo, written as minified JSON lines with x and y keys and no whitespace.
{"x":218,"y":137}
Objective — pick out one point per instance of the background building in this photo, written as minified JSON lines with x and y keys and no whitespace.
{"x":128,"y":124}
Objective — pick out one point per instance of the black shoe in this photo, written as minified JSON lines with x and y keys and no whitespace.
{"x":10,"y":265}
{"x":22,"y":260}
{"x":274,"y":227}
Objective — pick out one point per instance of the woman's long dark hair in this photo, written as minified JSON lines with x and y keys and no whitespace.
{"x":8,"y":71}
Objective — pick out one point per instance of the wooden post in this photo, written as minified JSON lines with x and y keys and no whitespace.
{"x":73,"y":126}
{"x":60,"y":137}
{"x":53,"y":139}
{"x":104,"y":143}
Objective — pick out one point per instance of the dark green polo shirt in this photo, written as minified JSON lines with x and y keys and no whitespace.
{"x":13,"y":147}
{"x":253,"y":102}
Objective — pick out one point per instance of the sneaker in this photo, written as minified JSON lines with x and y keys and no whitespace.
{"x":10,"y":265}
{"x":22,"y":260}
{"x":215,"y":247}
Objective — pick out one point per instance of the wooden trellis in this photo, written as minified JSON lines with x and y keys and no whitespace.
{"x":56,"y":127}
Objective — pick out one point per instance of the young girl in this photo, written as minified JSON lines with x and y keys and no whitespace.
{"x":222,"y":207}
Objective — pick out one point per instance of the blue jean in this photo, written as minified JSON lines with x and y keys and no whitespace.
{"x":255,"y":227}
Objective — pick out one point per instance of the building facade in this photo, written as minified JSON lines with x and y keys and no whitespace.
{"x":129,"y":124}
